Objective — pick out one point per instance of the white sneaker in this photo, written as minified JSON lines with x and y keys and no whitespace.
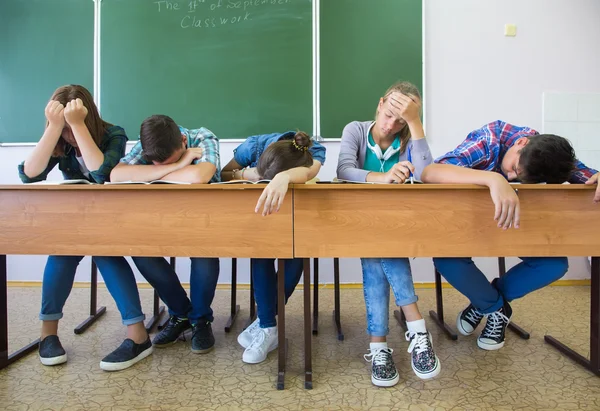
{"x":263,"y":343}
{"x":246,"y":337}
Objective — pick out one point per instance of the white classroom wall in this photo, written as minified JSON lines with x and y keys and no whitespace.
{"x":473,"y":75}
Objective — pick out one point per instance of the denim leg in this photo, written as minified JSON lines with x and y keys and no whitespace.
{"x":531,"y":274}
{"x":464,"y":275}
{"x":161,"y":276}
{"x":120,"y":282}
{"x":377,"y":296}
{"x":203,"y":284}
{"x":57,"y":283}
{"x":399,"y":275}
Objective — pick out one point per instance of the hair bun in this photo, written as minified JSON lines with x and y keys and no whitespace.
{"x":301,"y":141}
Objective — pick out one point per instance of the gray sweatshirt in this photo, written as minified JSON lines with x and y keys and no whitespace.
{"x":353,"y":149}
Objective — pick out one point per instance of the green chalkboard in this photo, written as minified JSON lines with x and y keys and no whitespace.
{"x":44,"y":44}
{"x":237,"y":68}
{"x":365,"y":46}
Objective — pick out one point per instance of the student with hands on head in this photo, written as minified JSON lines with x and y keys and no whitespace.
{"x":380,"y":151}
{"x":84,"y":146}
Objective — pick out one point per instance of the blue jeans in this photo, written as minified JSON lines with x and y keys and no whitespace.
{"x":59,"y":275}
{"x":264,"y":277}
{"x":378,"y":275}
{"x":530,"y":274}
{"x":203,"y":283}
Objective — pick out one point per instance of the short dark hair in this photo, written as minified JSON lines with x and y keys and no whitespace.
{"x":160,"y":137}
{"x":285,"y":154}
{"x":546,"y":158}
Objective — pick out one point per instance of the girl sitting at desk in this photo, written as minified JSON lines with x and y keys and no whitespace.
{"x":379,"y":151}
{"x":84,"y":146}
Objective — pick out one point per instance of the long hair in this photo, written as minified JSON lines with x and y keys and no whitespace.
{"x":95,"y":125}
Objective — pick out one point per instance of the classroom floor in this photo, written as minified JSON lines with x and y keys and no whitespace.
{"x":523,"y":375}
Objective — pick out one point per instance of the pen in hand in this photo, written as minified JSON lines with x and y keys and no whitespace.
{"x":410,"y":172}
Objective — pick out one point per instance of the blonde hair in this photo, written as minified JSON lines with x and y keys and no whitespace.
{"x":406,"y":88}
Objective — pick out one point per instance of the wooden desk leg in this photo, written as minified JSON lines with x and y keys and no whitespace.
{"x":5,"y":359}
{"x":315,"y":326}
{"x":593,"y":364}
{"x":439,"y":316}
{"x":94,"y":313}
{"x":307,"y":331}
{"x":336,"y":291}
{"x":235,"y":308}
{"x":513,"y":326}
{"x":157,"y":309}
{"x":282,"y":343}
{"x":399,"y":315}
{"x":252,"y":316}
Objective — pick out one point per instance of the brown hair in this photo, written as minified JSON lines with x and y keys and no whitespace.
{"x":160,"y":137}
{"x":546,"y":158}
{"x":94,"y":123}
{"x":406,"y":88}
{"x":285,"y":154}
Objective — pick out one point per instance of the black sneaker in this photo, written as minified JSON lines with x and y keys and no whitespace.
{"x":425,"y":363}
{"x":170,"y":334}
{"x":383,"y":369}
{"x":51,"y":351}
{"x":468,"y":319}
{"x":492,"y":336}
{"x":203,"y":339}
{"x":126,"y":355}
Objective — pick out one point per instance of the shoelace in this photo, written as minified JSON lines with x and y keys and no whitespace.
{"x":258,"y":340}
{"x":378,"y":356}
{"x":173,"y":321}
{"x":418,"y":341}
{"x":494,"y":325}
{"x":252,"y":328}
{"x":474,"y":316}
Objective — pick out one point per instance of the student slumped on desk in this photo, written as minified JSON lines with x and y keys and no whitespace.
{"x":392,"y":148}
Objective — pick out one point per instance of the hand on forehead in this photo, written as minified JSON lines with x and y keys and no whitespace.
{"x":396,"y":97}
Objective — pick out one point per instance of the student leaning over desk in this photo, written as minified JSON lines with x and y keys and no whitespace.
{"x":170,"y":152}
{"x":491,"y":156}
{"x":291,"y":157}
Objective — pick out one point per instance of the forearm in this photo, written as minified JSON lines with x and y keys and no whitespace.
{"x":416,"y":129}
{"x":192,"y":174}
{"x":91,"y":153}
{"x":300,"y":175}
{"x":451,"y":174}
{"x":37,"y":161}
{"x":374,"y":177}
{"x":125,"y":172}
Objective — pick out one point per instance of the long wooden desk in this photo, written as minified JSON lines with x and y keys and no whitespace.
{"x":328,"y":220}
{"x":351,"y":220}
{"x":140,"y":220}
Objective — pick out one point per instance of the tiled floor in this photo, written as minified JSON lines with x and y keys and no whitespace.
{"x":527,"y":375}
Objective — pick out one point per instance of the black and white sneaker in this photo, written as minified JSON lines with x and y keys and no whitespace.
{"x":170,"y":334}
{"x":203,"y":339}
{"x":126,"y":355}
{"x":468,"y":319}
{"x":383,"y":369}
{"x":51,"y":351}
{"x":424,"y":362}
{"x":492,"y":336}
